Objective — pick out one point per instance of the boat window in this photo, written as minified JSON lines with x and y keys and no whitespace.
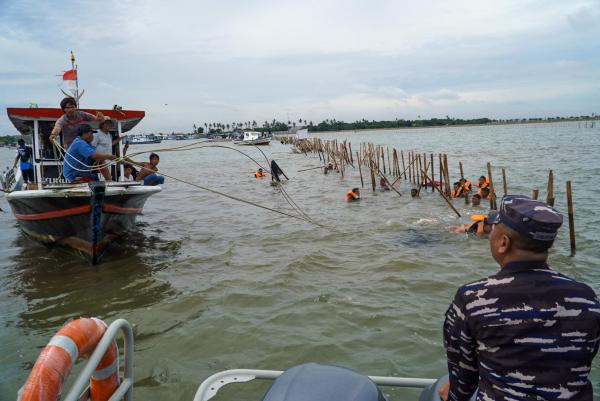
{"x":45,"y":146}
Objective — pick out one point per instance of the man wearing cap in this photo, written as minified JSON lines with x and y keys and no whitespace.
{"x":103,"y":142}
{"x":526,"y":332}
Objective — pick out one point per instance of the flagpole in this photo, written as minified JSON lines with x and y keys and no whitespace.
{"x":74,"y":67}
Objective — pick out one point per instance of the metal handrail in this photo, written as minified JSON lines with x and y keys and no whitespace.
{"x":125,"y":389}
{"x":211,"y":385}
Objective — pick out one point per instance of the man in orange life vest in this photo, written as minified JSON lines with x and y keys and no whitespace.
{"x":260,"y":173}
{"x":353,"y":195}
{"x":462,"y":188}
{"x":479,"y":227}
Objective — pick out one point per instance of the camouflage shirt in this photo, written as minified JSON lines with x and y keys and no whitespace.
{"x":525,"y":333}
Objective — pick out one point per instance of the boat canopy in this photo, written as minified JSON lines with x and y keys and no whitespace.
{"x":22,"y":118}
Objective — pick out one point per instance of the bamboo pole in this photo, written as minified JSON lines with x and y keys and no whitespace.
{"x":351,"y":157}
{"x":447,"y":177}
{"x":403,"y":166}
{"x":410,"y":169}
{"x":400,"y":175}
{"x":389,"y":160}
{"x":372,"y":175}
{"x":550,"y":194}
{"x":362,"y":183}
{"x":432,"y":174}
{"x":536,"y":193}
{"x":504,"y":182}
{"x":383,"y":160}
{"x":444,"y":196}
{"x":462,"y":177}
{"x":441,"y":169}
{"x":571,"y":218}
{"x":492,"y":193}
{"x":420,"y":167}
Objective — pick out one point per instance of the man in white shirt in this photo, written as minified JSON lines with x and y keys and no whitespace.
{"x":103,"y":143}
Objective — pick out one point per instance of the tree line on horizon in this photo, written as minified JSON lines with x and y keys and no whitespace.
{"x":364,"y":124}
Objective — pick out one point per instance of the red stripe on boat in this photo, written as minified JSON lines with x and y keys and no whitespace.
{"x":107,"y":207}
{"x":54,"y":214}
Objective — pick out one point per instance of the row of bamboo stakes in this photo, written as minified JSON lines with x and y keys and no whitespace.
{"x":414,"y":167}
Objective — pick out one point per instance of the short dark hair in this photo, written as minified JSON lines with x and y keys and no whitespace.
{"x":486,"y":190}
{"x":525,"y":243}
{"x":355,"y":189}
{"x":21,"y":141}
{"x":68,"y":101}
{"x":127,"y":165}
{"x":154,"y":156}
{"x":476,"y":196}
{"x":83,"y":128}
{"x":482,"y":177}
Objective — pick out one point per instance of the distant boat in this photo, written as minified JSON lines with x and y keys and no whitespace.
{"x":255,"y":138}
{"x":140,"y":139}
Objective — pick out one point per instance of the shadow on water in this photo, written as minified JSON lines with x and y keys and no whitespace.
{"x":57,"y":285}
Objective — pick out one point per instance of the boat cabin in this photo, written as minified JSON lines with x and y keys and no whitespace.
{"x":37,"y":124}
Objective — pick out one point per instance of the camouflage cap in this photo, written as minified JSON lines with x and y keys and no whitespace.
{"x":528,"y":217}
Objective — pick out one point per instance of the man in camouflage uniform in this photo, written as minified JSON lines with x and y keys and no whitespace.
{"x":527,"y":332}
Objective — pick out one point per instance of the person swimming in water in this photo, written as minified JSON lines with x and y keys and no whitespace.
{"x":353,"y":195}
{"x":414,"y":193}
{"x":383,"y":185}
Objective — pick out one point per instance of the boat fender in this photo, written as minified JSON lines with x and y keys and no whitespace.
{"x":77,"y":338}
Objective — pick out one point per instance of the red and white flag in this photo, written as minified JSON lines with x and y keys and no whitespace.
{"x":70,"y":80}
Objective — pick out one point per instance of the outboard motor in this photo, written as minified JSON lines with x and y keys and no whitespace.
{"x":315,"y":382}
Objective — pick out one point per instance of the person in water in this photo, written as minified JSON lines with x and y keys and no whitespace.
{"x":527,"y":332}
{"x":414,"y":193}
{"x":479,"y":227}
{"x":484,"y":193}
{"x":383,"y":186}
{"x":148,"y":171}
{"x":462,"y":188}
{"x":24,"y":155}
{"x":483,"y":182}
{"x":353,"y":195}
{"x":476,"y":200}
{"x":260,"y":173}
{"x":69,"y":122}
{"x":80,"y":157}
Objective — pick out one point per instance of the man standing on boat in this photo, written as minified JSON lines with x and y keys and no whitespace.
{"x":24,"y":154}
{"x":81,"y":156}
{"x":103,"y":142}
{"x":69,"y":122}
{"x":526,"y":332}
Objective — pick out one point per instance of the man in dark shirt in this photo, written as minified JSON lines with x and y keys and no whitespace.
{"x":527,"y":332}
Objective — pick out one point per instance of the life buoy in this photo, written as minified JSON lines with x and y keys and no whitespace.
{"x":77,"y":338}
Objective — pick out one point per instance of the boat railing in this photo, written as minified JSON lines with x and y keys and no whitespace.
{"x":79,"y":391}
{"x":211,"y":385}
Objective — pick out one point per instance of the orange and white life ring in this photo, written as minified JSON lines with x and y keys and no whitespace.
{"x":78,"y":338}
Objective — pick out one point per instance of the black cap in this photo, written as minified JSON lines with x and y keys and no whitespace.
{"x":531,"y":218}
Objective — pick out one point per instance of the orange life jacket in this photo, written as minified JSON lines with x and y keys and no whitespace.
{"x":259,"y":174}
{"x":467,"y":186}
{"x":350,"y":196}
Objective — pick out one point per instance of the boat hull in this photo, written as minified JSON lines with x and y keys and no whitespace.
{"x":85,"y":220}
{"x":256,"y":142}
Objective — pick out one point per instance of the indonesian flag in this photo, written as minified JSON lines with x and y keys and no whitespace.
{"x":69,"y":80}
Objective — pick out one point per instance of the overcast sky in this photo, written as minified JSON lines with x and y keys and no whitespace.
{"x":187,"y":62}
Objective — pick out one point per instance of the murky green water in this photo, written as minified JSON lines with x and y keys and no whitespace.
{"x":210,"y":284}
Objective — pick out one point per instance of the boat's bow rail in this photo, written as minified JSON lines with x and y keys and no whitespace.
{"x":321,"y":379}
{"x":74,"y":190}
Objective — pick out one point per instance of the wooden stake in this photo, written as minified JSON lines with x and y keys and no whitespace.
{"x":504,"y":183}
{"x":432,"y":174}
{"x":403,"y":166}
{"x":447,"y":177}
{"x":550,"y":195}
{"x":362,"y":184}
{"x":536,"y":193}
{"x":462,"y":177}
{"x":492,"y":193}
{"x":571,"y":219}
{"x":383,"y":160}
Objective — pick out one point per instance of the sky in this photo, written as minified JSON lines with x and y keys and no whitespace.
{"x":195,"y":62}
